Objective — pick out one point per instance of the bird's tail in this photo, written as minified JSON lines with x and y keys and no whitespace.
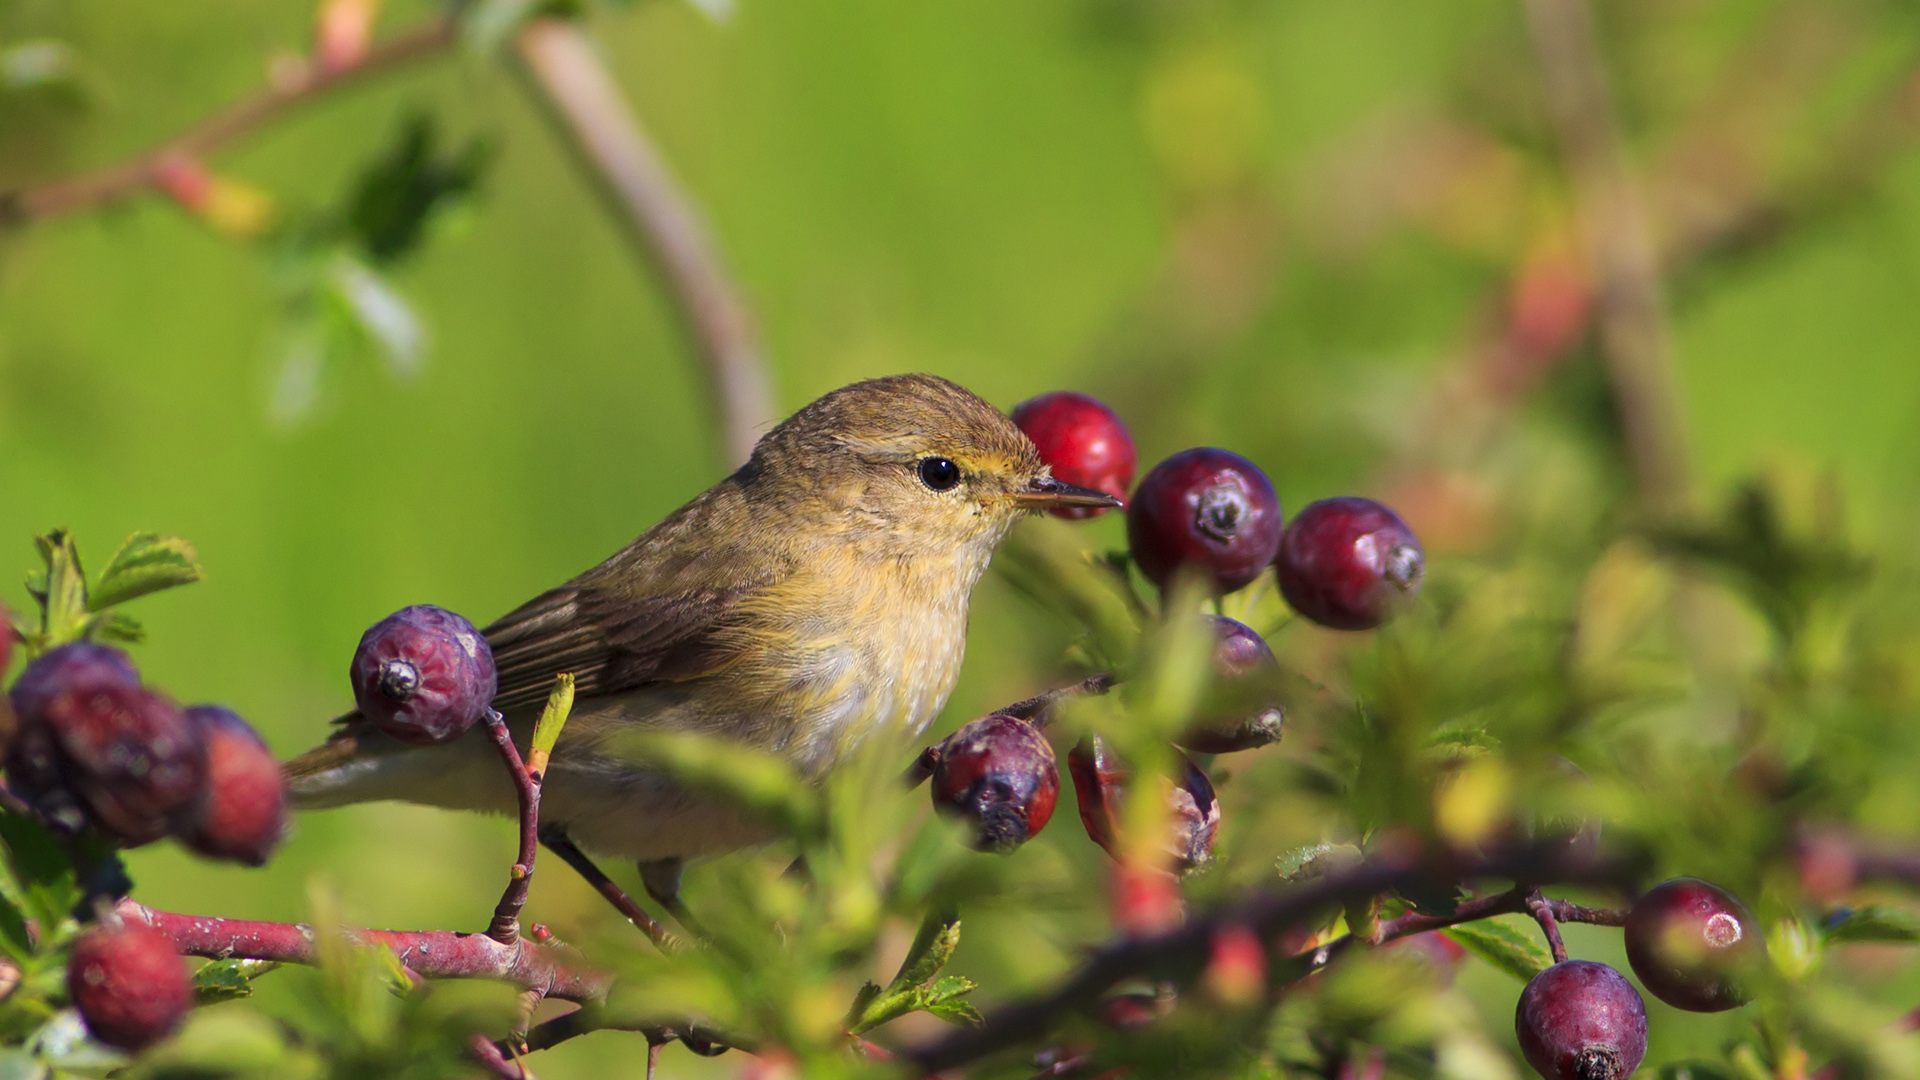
{"x":359,"y":764}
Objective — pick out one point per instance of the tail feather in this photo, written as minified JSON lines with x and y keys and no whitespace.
{"x":358,"y":764}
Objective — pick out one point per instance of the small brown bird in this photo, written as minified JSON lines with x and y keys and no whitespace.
{"x":816,"y":595}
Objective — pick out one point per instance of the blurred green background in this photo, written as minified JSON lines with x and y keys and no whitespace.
{"x":1294,"y":228}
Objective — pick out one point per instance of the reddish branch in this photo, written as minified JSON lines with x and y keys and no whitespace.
{"x":1542,"y":913}
{"x":573,"y":81}
{"x":432,"y":954}
{"x":505,"y":927}
{"x":311,"y":81}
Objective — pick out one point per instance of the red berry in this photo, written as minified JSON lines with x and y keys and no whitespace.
{"x":1348,"y":563}
{"x":423,"y":675}
{"x":1100,"y":783}
{"x":66,"y":668}
{"x":999,"y":773}
{"x":1238,"y":653}
{"x":1579,"y":1020}
{"x":246,"y":811}
{"x":129,"y":984}
{"x":119,"y":757}
{"x":1083,"y":441}
{"x":1691,"y":943}
{"x":1209,"y":509}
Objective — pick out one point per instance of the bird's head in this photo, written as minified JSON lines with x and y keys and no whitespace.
{"x":914,"y":462}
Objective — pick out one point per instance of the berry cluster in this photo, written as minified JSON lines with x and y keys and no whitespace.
{"x":95,"y":753}
{"x":1691,"y":944}
{"x":1346,"y":564}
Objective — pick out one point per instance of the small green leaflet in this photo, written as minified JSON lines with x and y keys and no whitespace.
{"x":147,"y":563}
{"x":227,"y":980}
{"x":1506,"y":948}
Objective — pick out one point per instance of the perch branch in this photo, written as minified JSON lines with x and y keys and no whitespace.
{"x":311,"y":81}
{"x":564,"y":67}
{"x":431,"y":954}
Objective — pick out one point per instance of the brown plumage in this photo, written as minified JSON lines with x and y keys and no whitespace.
{"x":816,"y":595}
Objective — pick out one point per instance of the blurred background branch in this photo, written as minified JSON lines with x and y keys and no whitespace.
{"x":566,"y":69}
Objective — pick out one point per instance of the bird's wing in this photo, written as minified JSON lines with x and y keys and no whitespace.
{"x":611,"y":640}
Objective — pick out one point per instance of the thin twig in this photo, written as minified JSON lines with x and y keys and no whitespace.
{"x":571,"y":854}
{"x":573,"y":81}
{"x":136,"y":174}
{"x":1543,"y":914}
{"x":505,"y":927}
{"x":432,"y":954}
{"x":1618,"y":247}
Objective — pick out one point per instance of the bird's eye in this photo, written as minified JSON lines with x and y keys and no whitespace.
{"x":939,"y":474}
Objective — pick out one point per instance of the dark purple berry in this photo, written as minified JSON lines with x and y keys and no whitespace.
{"x":1238,"y":654}
{"x":1208,"y":509}
{"x":1579,"y":1020}
{"x":1349,"y":563}
{"x":1100,"y":787}
{"x":1083,"y":441}
{"x":1692,"y":945}
{"x":130,"y":985}
{"x":423,"y":675}
{"x":119,"y":757}
{"x":66,"y":668}
{"x":246,"y":809}
{"x":998,"y":773}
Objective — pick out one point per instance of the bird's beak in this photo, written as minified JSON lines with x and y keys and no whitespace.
{"x":1046,"y":492}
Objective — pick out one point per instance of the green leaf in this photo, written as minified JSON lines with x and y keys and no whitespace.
{"x":48,"y":883}
{"x":146,"y":563}
{"x":228,"y":980}
{"x":959,"y":1013}
{"x":1874,"y":923}
{"x":1503,"y":946}
{"x":885,"y":1008}
{"x":61,"y":589}
{"x":552,"y":718}
{"x":932,"y":947}
{"x":116,"y":626}
{"x":949,"y":988}
{"x":1313,"y":861}
{"x":399,"y":195}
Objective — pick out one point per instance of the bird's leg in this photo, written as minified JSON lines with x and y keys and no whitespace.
{"x":662,"y":879}
{"x":557,"y":841}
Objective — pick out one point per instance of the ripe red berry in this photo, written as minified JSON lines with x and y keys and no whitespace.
{"x":121,"y":758}
{"x":1083,"y":441}
{"x":1100,"y":785}
{"x":1348,"y":563}
{"x":1692,"y":944}
{"x":1209,"y":509}
{"x":423,"y":675}
{"x":68,"y":667}
{"x":999,"y":773}
{"x":246,"y":810}
{"x":130,"y":985}
{"x":1579,"y":1020}
{"x":1238,"y":653}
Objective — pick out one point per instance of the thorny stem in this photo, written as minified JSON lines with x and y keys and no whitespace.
{"x":1542,"y":913}
{"x":432,"y":954}
{"x":139,"y":173}
{"x":505,"y":927}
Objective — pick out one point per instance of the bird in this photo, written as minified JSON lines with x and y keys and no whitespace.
{"x":817,"y":595}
